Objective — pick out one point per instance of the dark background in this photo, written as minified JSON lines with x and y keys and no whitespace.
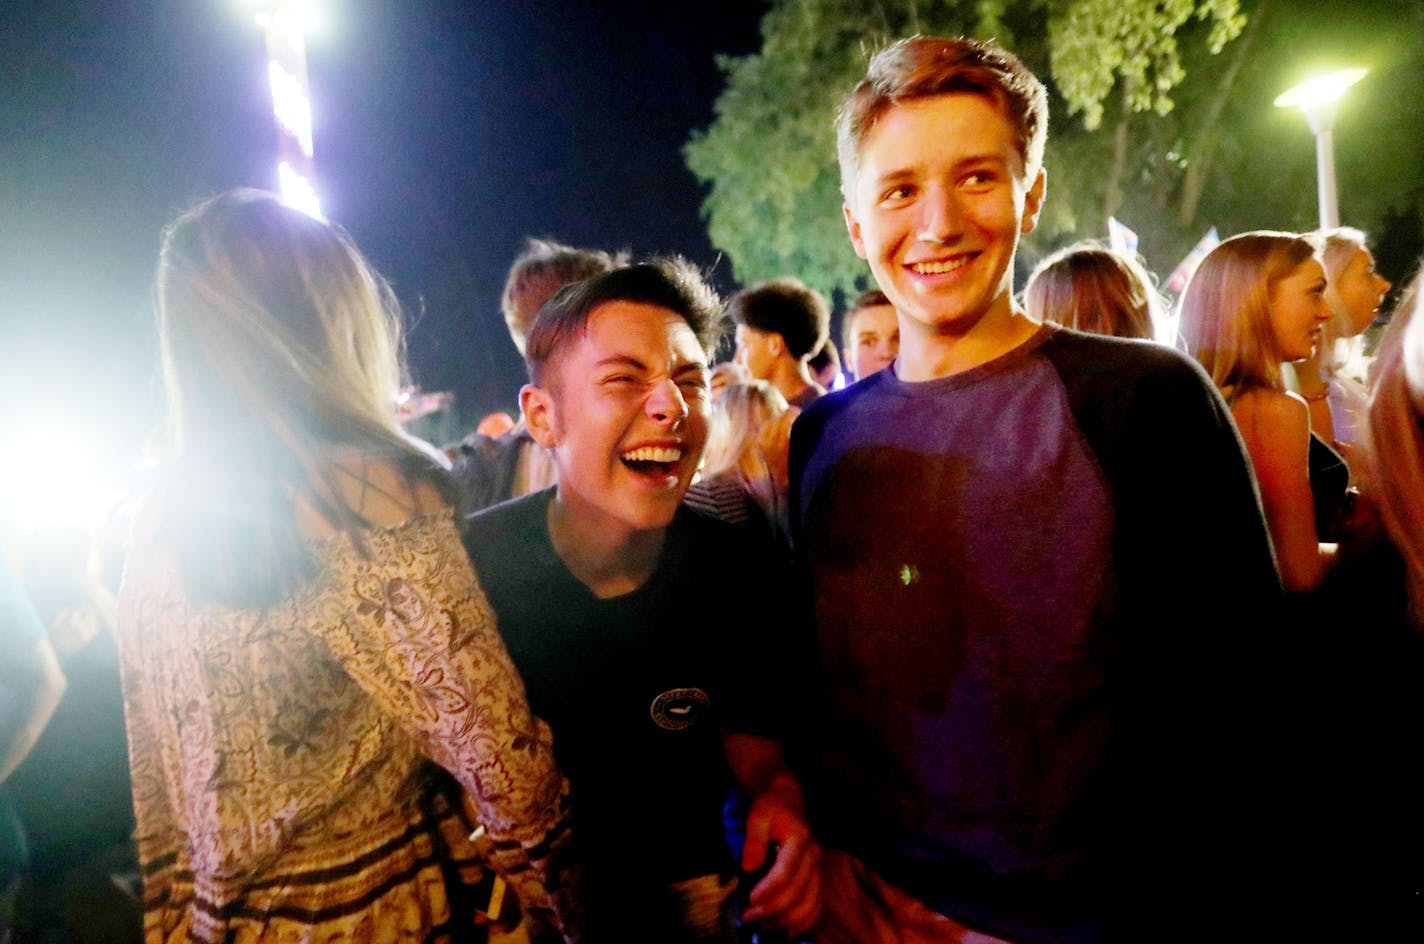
{"x":445,"y":134}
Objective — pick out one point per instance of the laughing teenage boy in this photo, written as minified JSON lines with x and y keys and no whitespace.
{"x":611,"y":598}
{"x":1028,"y":658}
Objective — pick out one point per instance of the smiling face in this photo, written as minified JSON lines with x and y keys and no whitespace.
{"x":1298,"y":311}
{"x":874,"y":339}
{"x":625,"y":410}
{"x":938,"y":204}
{"x":1359,"y":290}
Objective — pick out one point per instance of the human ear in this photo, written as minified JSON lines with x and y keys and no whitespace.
{"x":538,"y":406}
{"x":1033,"y":202}
{"x":853,"y":228}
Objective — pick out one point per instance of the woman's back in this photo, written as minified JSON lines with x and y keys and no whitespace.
{"x":280,"y":754}
{"x":302,"y":637}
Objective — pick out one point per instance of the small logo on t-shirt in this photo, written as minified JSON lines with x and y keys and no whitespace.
{"x":679,"y":708}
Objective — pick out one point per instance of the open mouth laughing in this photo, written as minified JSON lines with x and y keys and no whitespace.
{"x":653,"y":461}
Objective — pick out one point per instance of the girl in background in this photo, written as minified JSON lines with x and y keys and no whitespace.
{"x":1095,"y":290}
{"x":1256,"y":301}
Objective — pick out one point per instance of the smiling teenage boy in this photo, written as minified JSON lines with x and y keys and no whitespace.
{"x":609,"y":593}
{"x":1028,"y":696}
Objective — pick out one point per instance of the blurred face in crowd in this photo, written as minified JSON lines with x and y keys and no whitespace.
{"x":937,"y":208}
{"x":724,"y":375}
{"x":756,"y":351}
{"x":625,"y":409}
{"x":1360,"y":291}
{"x":1299,"y":311}
{"x":874,"y":339}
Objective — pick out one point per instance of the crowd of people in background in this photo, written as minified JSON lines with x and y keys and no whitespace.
{"x":1056,"y":617}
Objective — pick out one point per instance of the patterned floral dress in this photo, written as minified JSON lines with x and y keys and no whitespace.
{"x":283,"y":780}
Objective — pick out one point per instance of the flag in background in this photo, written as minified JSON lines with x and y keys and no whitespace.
{"x":1183,"y":272}
{"x":1121,"y":239}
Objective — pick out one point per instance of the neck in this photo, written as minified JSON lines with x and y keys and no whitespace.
{"x":608,"y":558}
{"x":928,"y":352}
{"x":792,"y":378}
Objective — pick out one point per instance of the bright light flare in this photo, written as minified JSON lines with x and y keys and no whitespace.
{"x":1317,"y":91}
{"x":49,"y":477}
{"x":297,"y":191}
{"x":291,"y":105}
{"x":301,"y":16}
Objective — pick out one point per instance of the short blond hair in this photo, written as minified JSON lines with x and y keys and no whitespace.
{"x":1226,"y":309}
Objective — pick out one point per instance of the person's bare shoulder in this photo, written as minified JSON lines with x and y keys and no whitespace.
{"x":1275,"y":425}
{"x":378,"y":491}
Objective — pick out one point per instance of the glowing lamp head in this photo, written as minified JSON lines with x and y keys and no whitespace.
{"x":1318,"y":91}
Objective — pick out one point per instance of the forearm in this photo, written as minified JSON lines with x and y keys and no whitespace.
{"x":40,"y":696}
{"x":759,"y":766}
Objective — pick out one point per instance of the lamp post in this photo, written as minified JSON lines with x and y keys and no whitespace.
{"x":284,"y":24}
{"x":1320,"y":100}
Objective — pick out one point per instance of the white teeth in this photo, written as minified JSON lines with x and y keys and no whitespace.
{"x":938,"y":268}
{"x":654,"y":454}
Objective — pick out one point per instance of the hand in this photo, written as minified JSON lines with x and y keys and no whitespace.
{"x":789,"y":896}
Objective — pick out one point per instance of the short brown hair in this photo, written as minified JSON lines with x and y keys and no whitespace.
{"x":1226,"y":309}
{"x":924,"y":66}
{"x":788,"y":307}
{"x":1096,"y":290}
{"x":541,"y":269}
{"x":866,"y":299}
{"x":669,"y":282}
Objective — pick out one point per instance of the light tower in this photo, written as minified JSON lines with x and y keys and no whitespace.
{"x":1320,"y":100}
{"x":284,"y":22}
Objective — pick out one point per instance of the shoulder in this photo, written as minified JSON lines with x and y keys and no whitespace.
{"x":1077,"y":354}
{"x":719,"y":546}
{"x":509,"y":519}
{"x":824,"y":409}
{"x":1272,"y":422}
{"x":379,"y":490}
{"x":1272,"y":406}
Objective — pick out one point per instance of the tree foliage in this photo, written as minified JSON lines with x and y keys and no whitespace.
{"x":1132,"y":44}
{"x":768,"y":158}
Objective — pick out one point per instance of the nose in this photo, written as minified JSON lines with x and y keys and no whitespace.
{"x":666,"y":404}
{"x":1384,"y":285}
{"x":940,"y":217}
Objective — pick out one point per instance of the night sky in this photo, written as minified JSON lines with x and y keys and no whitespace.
{"x":445,"y":134}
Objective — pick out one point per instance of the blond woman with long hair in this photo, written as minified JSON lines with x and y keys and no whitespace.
{"x":1256,"y":301}
{"x":1332,"y":381}
{"x":744,"y":472}
{"x":314,"y":685}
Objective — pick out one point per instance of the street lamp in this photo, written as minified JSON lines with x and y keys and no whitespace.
{"x":284,"y":22}
{"x":1320,"y":100}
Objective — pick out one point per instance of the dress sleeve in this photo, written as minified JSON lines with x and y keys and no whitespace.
{"x":409,"y":622}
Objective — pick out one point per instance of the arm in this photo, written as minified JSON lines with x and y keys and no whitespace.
{"x":38,"y":684}
{"x":1276,"y":431}
{"x":789,"y":897}
{"x":29,"y":670}
{"x":424,"y":645}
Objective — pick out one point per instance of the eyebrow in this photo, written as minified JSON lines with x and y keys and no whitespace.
{"x":629,"y":361}
{"x":968,"y":160}
{"x":621,"y":360}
